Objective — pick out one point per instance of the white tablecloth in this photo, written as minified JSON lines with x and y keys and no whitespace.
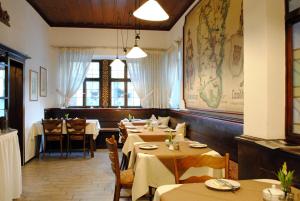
{"x":150,"y":171}
{"x":93,"y":127}
{"x":10,"y":167}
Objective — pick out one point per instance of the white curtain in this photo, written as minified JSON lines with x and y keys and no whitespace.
{"x":153,"y":78}
{"x":73,"y":66}
{"x":177,"y":87}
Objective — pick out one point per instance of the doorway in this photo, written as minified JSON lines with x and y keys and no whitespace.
{"x":16,"y":102}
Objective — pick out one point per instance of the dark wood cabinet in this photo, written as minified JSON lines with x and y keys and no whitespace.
{"x":259,"y":162}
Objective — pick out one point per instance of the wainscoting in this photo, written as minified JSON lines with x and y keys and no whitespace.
{"x":215,"y":129}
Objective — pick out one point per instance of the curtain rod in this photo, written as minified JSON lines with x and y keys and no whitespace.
{"x":105,"y":47}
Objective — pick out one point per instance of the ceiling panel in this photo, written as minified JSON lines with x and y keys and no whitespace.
{"x":105,"y":13}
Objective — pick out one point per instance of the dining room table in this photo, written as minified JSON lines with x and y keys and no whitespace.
{"x":92,"y":131}
{"x":144,"y":134}
{"x":249,"y":190}
{"x":10,"y":166}
{"x":155,"y":167}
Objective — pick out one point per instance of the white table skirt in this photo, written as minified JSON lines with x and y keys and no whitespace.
{"x":150,"y":171}
{"x":10,"y":167}
{"x":93,"y":127}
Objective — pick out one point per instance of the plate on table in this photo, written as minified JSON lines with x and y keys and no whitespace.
{"x":134,"y":131}
{"x":222,"y":184}
{"x":131,"y":127}
{"x":162,"y":126}
{"x":148,"y":146}
{"x":170,"y":130}
{"x":198,"y":145}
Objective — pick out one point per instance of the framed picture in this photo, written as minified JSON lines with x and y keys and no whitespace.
{"x":213,"y":57}
{"x":33,"y":85}
{"x":43,"y":82}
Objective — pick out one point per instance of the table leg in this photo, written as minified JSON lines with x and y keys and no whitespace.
{"x":38,"y":140}
{"x":92,"y":146}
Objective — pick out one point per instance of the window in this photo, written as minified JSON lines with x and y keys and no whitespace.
{"x":122,"y":90}
{"x":293,"y":71}
{"x":89,"y":92}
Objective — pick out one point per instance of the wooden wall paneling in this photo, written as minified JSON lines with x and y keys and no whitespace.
{"x":103,"y":14}
{"x":219,"y":134}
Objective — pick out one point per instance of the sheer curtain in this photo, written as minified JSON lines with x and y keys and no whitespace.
{"x":73,"y":66}
{"x":177,"y":87}
{"x":153,"y":78}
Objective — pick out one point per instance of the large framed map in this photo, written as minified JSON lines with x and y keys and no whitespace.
{"x":213,"y":56}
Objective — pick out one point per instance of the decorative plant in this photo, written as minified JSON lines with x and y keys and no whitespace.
{"x":170,"y":137}
{"x":129,"y":117}
{"x":66,"y":116}
{"x":286,"y":178}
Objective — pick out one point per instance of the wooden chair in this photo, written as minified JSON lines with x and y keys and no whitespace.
{"x":123,"y":135}
{"x":183,"y":164}
{"x":76,"y":132}
{"x":124,"y":179}
{"x":52,"y":132}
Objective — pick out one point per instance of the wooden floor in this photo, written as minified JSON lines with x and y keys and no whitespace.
{"x":75,"y":178}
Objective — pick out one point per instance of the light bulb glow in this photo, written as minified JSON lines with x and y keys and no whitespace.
{"x":151,"y":11}
{"x":117,"y":63}
{"x":136,"y":53}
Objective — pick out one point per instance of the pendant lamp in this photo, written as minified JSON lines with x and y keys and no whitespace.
{"x":117,"y":63}
{"x":136,"y":52}
{"x":151,"y":11}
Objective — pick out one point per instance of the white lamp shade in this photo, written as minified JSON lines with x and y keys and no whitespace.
{"x":151,"y":11}
{"x":117,"y":63}
{"x":136,"y":53}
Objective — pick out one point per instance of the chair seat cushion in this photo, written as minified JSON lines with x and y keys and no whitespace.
{"x":126,"y":177}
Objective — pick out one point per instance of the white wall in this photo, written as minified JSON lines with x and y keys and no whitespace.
{"x":29,"y":34}
{"x":105,"y":39}
{"x":264,"y":66}
{"x":264,"y":69}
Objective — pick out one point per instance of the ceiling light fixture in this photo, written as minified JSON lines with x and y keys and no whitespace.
{"x":117,"y":63}
{"x":136,"y":52}
{"x":151,"y":11}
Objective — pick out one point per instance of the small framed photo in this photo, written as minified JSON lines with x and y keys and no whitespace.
{"x":43,"y":82}
{"x":33,"y":85}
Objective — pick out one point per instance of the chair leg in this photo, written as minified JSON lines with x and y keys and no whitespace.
{"x":123,"y":162}
{"x":68,"y":145}
{"x":84,"y":146}
{"x":61,"y":151}
{"x":117,"y":193}
{"x":44,"y":149}
{"x":150,"y":193}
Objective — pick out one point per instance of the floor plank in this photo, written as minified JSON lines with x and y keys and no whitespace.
{"x":72,"y":179}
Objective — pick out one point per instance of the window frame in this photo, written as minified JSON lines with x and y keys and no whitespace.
{"x":292,"y":18}
{"x":126,"y":80}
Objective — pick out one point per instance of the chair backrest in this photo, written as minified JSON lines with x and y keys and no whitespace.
{"x":52,"y":126}
{"x":111,"y":144}
{"x":76,"y":126}
{"x":215,"y":162}
{"x":123,"y":132}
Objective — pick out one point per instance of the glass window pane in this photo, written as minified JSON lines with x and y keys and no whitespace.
{"x":296,"y":79}
{"x":117,"y":72}
{"x":293,"y":5}
{"x":2,"y":107}
{"x":133,"y":98}
{"x":77,"y":99}
{"x":92,"y":93}
{"x":117,"y":94}
{"x":2,"y":82}
{"x":93,"y":71}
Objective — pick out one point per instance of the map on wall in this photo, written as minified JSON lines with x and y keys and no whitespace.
{"x":213,"y":56}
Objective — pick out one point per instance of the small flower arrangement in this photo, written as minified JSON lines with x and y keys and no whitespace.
{"x":66,"y":116}
{"x":286,"y":178}
{"x":129,"y":117}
